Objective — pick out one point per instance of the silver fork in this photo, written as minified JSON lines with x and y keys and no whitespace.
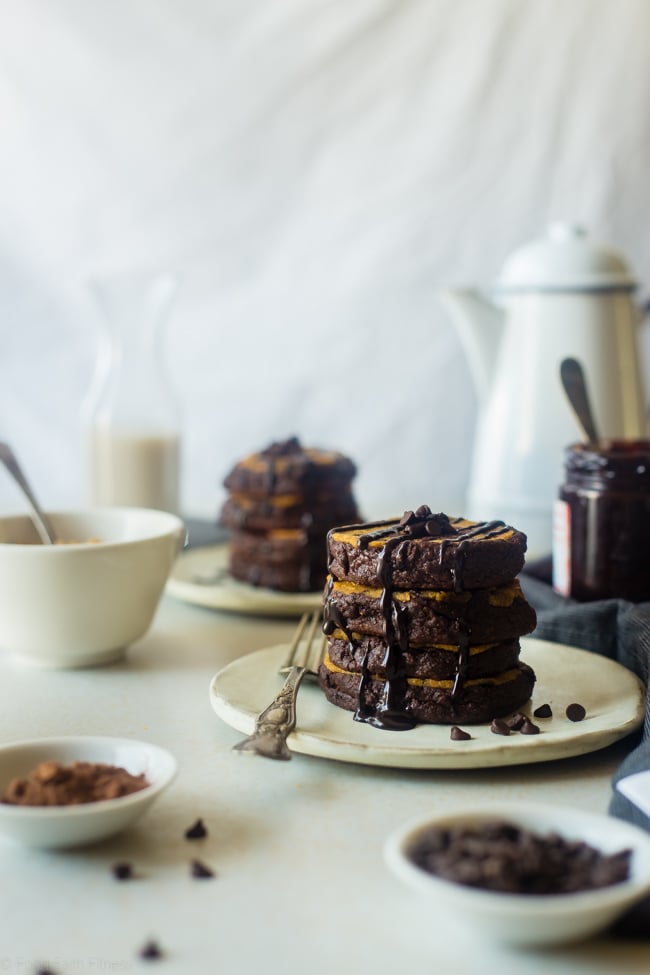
{"x":275,"y":723}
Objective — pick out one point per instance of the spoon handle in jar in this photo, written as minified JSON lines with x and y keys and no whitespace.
{"x":575,"y":387}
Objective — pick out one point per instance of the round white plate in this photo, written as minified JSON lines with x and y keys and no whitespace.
{"x":200,"y":576}
{"x":614,"y":699}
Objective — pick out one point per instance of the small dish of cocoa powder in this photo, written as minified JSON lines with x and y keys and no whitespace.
{"x":523,"y":874}
{"x":58,"y":792}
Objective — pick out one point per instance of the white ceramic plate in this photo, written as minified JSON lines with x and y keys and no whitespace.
{"x":200,"y":576}
{"x":49,"y":827}
{"x":614,"y":699}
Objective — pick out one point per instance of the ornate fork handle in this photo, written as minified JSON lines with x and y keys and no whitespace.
{"x":276,"y":722}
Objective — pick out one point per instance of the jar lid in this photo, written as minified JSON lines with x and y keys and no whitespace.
{"x":610,"y":459}
{"x":566,"y":259}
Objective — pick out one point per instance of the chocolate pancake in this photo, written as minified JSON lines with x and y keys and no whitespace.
{"x":433,"y":616}
{"x":427,"y":701}
{"x":289,"y":560}
{"x":316,"y":514}
{"x":282,"y":502}
{"x":427,"y":551}
{"x":437,"y":662}
{"x":288,"y":468}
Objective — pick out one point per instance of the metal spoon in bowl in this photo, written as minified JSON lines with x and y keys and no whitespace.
{"x":41,"y":521}
{"x":575,"y":387}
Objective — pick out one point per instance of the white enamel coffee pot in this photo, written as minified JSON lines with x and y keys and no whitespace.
{"x":563,"y":295}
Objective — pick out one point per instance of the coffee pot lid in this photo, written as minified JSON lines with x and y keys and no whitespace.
{"x":566,"y":259}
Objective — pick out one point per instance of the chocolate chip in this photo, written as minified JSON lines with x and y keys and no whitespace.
{"x":151,"y":951}
{"x":197,"y":831}
{"x":122,"y":871}
{"x":575,"y":712}
{"x":528,"y":728}
{"x":515,"y":721}
{"x":499,"y":727}
{"x":283,"y":448}
{"x":457,"y":734}
{"x":543,"y":711}
{"x":439,"y":525}
{"x":200,"y":870}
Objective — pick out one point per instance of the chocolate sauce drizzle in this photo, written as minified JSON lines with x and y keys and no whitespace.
{"x":308,"y":570}
{"x":271,"y":454}
{"x":390,"y":712}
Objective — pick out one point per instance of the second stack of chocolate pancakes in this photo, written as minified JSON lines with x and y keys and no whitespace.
{"x":281,"y":503}
{"x":423,"y":617}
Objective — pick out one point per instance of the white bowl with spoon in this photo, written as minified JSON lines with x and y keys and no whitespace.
{"x":78,"y":587}
{"x":82,"y":602}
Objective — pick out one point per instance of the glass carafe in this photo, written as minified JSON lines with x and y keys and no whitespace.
{"x":133,"y":416}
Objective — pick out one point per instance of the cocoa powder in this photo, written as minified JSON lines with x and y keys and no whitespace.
{"x":54,"y":784}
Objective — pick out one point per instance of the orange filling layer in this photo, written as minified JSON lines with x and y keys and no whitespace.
{"x":502,"y":596}
{"x":449,"y":647}
{"x":503,"y":678}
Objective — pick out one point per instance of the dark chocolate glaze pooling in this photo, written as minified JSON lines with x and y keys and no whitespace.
{"x":390,"y":713}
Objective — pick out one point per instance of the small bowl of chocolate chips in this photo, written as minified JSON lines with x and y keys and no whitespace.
{"x":523,"y":874}
{"x":64,"y":792}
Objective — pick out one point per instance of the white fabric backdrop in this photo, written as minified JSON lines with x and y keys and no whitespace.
{"x":314,"y":169}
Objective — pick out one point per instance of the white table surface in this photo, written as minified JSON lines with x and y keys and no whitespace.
{"x":297,"y":845}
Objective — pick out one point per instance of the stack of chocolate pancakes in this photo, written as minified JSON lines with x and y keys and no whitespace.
{"x":281,"y":503}
{"x":423,"y":617}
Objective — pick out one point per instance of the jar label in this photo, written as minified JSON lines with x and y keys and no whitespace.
{"x":562,"y":548}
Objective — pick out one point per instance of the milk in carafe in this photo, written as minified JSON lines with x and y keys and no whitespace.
{"x":134,"y":449}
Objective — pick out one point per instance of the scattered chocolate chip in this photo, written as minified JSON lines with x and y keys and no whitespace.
{"x":197,"y":831}
{"x":45,"y":971}
{"x":543,"y":711}
{"x":200,"y":870}
{"x":528,"y":728}
{"x":151,"y":951}
{"x":515,"y":721}
{"x":575,"y":712}
{"x":122,"y":871}
{"x":457,"y":734}
{"x":499,"y":727}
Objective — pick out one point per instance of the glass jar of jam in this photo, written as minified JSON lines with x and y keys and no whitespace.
{"x":601,"y":529}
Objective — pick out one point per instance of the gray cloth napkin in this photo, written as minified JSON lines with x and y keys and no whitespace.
{"x":619,"y":630}
{"x":616,"y":629}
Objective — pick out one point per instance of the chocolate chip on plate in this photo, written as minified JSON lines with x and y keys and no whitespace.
{"x":200,"y":870}
{"x":575,"y":712}
{"x":499,"y":727}
{"x":457,"y":734}
{"x":197,"y":831}
{"x":543,"y":711}
{"x":528,"y":728}
{"x":515,"y":721}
